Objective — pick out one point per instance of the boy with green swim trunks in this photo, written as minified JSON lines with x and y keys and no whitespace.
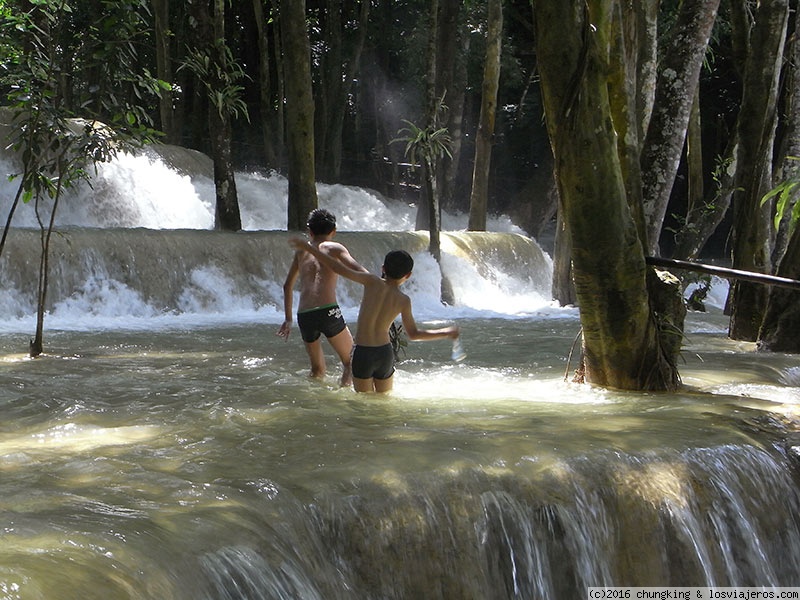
{"x":373,"y":357}
{"x":318,"y":311}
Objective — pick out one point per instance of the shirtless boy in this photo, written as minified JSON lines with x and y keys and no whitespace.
{"x":318,"y":312}
{"x":373,"y":358}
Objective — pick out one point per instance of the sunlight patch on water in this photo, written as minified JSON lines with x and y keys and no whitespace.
{"x":72,"y":437}
{"x":470,"y":384}
{"x":773,"y":393}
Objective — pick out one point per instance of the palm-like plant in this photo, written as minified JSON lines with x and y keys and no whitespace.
{"x":425,"y":145}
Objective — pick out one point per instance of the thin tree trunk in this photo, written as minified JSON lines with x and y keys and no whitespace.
{"x":694,"y":157}
{"x":789,"y":164}
{"x":164,"y":68}
{"x":704,"y":218}
{"x":756,"y":127}
{"x":337,"y":105}
{"x":452,"y":48}
{"x":299,"y":112}
{"x":430,"y":199}
{"x":625,"y":96}
{"x":666,"y":133}
{"x":781,"y":323}
{"x":563,"y":286}
{"x":265,"y":87}
{"x":280,"y":89}
{"x":479,"y":199}
{"x":227,"y":216}
{"x":36,"y":346}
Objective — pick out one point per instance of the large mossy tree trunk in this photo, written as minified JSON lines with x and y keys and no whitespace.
{"x":621,"y":341}
{"x":299,"y":113}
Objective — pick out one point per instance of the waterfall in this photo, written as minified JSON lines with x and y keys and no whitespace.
{"x":147,"y":273}
{"x":724,"y":516}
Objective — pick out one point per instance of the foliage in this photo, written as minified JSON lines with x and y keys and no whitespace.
{"x":426,"y":144}
{"x":40,"y":48}
{"x":220,"y":74}
{"x":34,"y":75}
{"x":786,"y":201}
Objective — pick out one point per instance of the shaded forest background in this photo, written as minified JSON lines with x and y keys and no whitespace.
{"x":369,"y":77}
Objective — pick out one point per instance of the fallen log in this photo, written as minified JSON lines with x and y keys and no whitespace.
{"x":724,"y":272}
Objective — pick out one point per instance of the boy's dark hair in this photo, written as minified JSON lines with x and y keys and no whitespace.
{"x":397,"y":264}
{"x":321,"y":222}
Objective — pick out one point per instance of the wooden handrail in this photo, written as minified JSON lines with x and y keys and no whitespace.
{"x":725,"y":272}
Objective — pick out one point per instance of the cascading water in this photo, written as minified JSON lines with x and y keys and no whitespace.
{"x":170,"y":445}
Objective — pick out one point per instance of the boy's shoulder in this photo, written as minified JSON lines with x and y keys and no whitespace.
{"x":331,"y":246}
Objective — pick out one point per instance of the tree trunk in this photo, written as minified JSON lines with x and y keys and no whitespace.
{"x":675,"y":90}
{"x":280,"y":87}
{"x":621,"y":341}
{"x":339,"y":73}
{"x":694,"y":157}
{"x":756,"y":128}
{"x":164,"y":68}
{"x":789,"y":164}
{"x":563,"y":286}
{"x":328,"y":90}
{"x":429,"y":204}
{"x":265,"y":88}
{"x":428,"y":210}
{"x":479,"y":198}
{"x":703,"y":218}
{"x":36,"y":346}
{"x":781,"y":324}
{"x":227,"y":216}
{"x":350,"y":76}
{"x":641,"y":34}
{"x":299,"y":113}
{"x":451,"y":74}
{"x":629,"y":64}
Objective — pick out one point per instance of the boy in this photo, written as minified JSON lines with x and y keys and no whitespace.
{"x":373,"y":357}
{"x":318,"y":312}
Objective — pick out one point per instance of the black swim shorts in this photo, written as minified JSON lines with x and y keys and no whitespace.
{"x":373,"y":362}
{"x":327,"y":320}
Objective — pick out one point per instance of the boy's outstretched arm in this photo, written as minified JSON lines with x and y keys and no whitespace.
{"x":342,"y":254}
{"x":345,"y":271}
{"x":415,"y":333}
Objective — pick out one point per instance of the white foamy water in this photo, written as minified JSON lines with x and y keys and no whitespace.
{"x":143,"y":191}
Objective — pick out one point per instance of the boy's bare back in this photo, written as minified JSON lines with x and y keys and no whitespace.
{"x":318,"y":282}
{"x":380,"y":305}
